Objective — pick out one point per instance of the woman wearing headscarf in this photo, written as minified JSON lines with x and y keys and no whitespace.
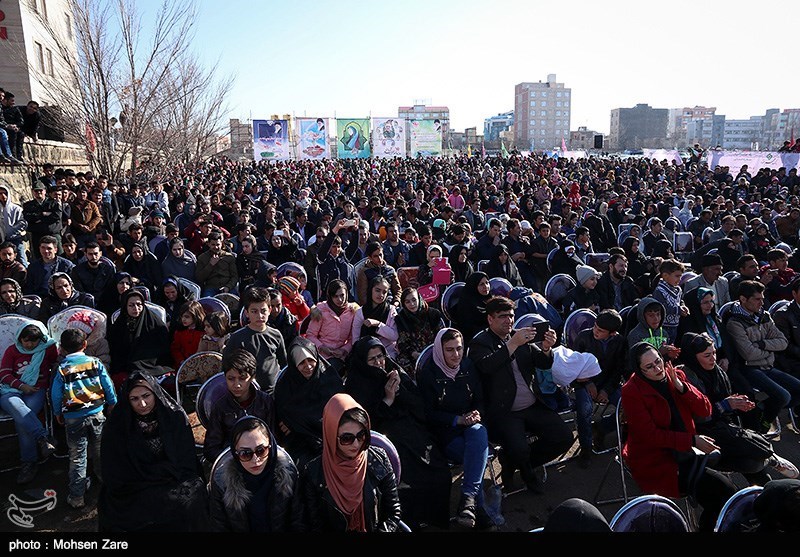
{"x":377,"y":317}
{"x":139,"y":339}
{"x":144,"y":266}
{"x":179,"y":262}
{"x":248,"y":263}
{"x":417,"y":324}
{"x":395,"y":406}
{"x":351,"y":486}
{"x":111,"y":300}
{"x":152,"y":480}
{"x":460,"y":264}
{"x":330,"y":323}
{"x":62,"y":294}
{"x":661,"y":405}
{"x":332,"y":262}
{"x":638,"y":263}
{"x":171,"y":296}
{"x":501,"y":265}
{"x":469,"y":315}
{"x":663,"y":249}
{"x":742,"y":450}
{"x":255,"y":486}
{"x":703,"y":319}
{"x":453,"y":399}
{"x":11,"y":300}
{"x":24,"y":380}
{"x":565,"y":260}
{"x":301,"y":393}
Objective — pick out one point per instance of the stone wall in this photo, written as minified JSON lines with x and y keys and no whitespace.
{"x":61,"y":155}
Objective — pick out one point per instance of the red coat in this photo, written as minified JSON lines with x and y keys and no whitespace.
{"x":648,"y":450}
{"x":184,"y":344}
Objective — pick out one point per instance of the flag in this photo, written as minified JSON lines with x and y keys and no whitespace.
{"x":469,"y":151}
{"x":483,"y":150}
{"x":503,"y":150}
{"x":563,"y":144}
{"x":91,"y":138}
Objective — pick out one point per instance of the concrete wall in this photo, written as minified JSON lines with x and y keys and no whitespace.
{"x":61,"y":155}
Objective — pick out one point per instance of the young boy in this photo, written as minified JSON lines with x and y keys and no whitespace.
{"x":262,"y":341}
{"x":584,"y":295}
{"x":242,"y":398}
{"x":81,"y":387}
{"x":669,"y":293}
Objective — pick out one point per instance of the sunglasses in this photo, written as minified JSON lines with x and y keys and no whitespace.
{"x":349,"y":438}
{"x":246,"y":455}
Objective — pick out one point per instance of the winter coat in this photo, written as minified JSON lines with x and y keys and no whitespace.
{"x":328,"y":330}
{"x":787,"y":319}
{"x":756,"y":338}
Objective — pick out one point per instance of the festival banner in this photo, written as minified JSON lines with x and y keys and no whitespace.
{"x":271,"y":140}
{"x":754,"y":160}
{"x":426,"y":138}
{"x":353,"y":138}
{"x":312,"y":139}
{"x":661,"y":154}
{"x":388,"y":137}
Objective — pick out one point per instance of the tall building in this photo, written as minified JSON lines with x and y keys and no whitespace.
{"x":542,"y":114}
{"x":780,"y":127}
{"x":493,"y":125}
{"x":680,"y":118}
{"x":424,"y":112}
{"x":706,"y":132}
{"x":638,"y":127}
{"x":29,"y":55}
{"x":584,"y":138}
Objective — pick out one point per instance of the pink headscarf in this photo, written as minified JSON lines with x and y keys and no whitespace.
{"x":438,"y":355}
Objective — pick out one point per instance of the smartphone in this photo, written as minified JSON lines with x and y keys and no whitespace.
{"x":541,"y":329}
{"x":278,"y":233}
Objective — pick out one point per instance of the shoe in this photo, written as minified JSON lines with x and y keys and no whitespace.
{"x":75,"y":502}
{"x":483,"y":521}
{"x":46,"y":447}
{"x":785,"y":467}
{"x":27,"y":472}
{"x":507,"y":477}
{"x":14,"y":160}
{"x":4,"y":160}
{"x":585,"y":458}
{"x":532,"y":481}
{"x":465,"y":517}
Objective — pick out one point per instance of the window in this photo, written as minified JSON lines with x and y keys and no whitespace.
{"x":34,"y":6}
{"x":49,"y":62}
{"x":558,"y":122}
{"x":544,"y":103}
{"x":39,"y":51}
{"x":544,"y":93}
{"x":543,"y":113}
{"x":558,"y":113}
{"x":566,"y":93}
{"x":44,"y":10}
{"x":69,"y":26}
{"x":533,"y":122}
{"x":543,"y":123}
{"x":566,"y":104}
{"x":558,"y":103}
{"x":533,"y":103}
{"x":558,"y":94}
{"x":541,"y":132}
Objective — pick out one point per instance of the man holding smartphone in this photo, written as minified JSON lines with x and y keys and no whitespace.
{"x":507,"y":358}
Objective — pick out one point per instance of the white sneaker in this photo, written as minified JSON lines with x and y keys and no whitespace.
{"x":785,"y":467}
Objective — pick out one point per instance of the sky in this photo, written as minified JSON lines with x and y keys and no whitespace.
{"x":362,"y":58}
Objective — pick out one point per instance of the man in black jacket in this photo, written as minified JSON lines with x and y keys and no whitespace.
{"x":616,"y":289}
{"x":506,"y":359}
{"x":43,"y":215}
{"x":787,"y":319}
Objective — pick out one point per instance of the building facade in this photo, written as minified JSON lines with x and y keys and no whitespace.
{"x":542,"y":113}
{"x":639,"y":127}
{"x":424,"y":112}
{"x":583,"y":139}
{"x":493,"y":125}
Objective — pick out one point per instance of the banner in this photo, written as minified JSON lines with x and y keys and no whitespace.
{"x":312,"y":139}
{"x":388,"y":137}
{"x":426,"y":138}
{"x":353,"y":138}
{"x":270,"y":140}
{"x":661,"y":154}
{"x":754,"y":160}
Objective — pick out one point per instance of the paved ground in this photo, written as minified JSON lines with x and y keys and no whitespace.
{"x":522,"y":510}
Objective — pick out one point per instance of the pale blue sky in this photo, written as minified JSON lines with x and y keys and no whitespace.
{"x":360,"y":57}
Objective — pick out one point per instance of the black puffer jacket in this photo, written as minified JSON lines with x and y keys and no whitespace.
{"x":381,"y":502}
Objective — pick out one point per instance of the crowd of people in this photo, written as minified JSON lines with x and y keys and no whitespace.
{"x":339,"y":269}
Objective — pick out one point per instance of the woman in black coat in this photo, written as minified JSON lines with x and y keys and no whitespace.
{"x":460,"y":264}
{"x":144,"y":266}
{"x":501,"y":265}
{"x":469,"y":315}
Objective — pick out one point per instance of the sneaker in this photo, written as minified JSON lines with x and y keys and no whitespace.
{"x":483,"y":521}
{"x":532,"y":481}
{"x":27,"y":472}
{"x":46,"y":447}
{"x":14,"y":160}
{"x":75,"y":502}
{"x":785,"y":467}
{"x":585,"y":458}
{"x":465,"y":517}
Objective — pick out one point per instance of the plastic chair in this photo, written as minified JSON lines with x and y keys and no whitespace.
{"x":211,"y":304}
{"x":527,"y":320}
{"x":194,"y":288}
{"x":549,"y":259}
{"x":423,"y":358}
{"x":576,"y":322}
{"x":724,"y":309}
{"x":196,"y":370}
{"x":213,"y":389}
{"x":686,"y":277}
{"x":59,"y":322}
{"x":616,"y":460}
{"x":650,"y":513}
{"x":682,"y":242}
{"x":731,"y":275}
{"x":557,"y":287}
{"x":450,"y":298}
{"x":159,"y":310}
{"x":482,"y":265}
{"x":598,"y":261}
{"x":778,"y":305}
{"x":216,"y":468}
{"x":737,"y":514}
{"x":292,"y":269}
{"x":383,"y":442}
{"x":498,"y":286}
{"x":230,"y":300}
{"x":145,"y":292}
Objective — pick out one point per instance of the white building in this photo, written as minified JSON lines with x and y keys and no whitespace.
{"x":542,"y":113}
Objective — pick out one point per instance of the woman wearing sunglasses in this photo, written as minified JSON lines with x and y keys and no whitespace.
{"x":351,"y":486}
{"x":152,"y":480}
{"x":254,"y":486}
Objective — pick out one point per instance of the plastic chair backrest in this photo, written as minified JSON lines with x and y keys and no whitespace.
{"x":424,"y":357}
{"x":482,"y":265}
{"x":197,"y":368}
{"x":210,"y":392}
{"x":686,"y":277}
{"x":682,"y":242}
{"x":527,"y":320}
{"x":598,"y":261}
{"x":724,"y":309}
{"x":291,"y":268}
{"x":557,"y":287}
{"x":10,"y":323}
{"x":550,"y":259}
{"x":59,"y":322}
{"x":230,"y":300}
{"x":145,"y":292}
{"x":730,"y":275}
{"x":450,"y":298}
{"x":737,"y":514}
{"x":211,"y":304}
{"x":380,"y":440}
{"x":778,"y":305}
{"x":194,"y":288}
{"x":498,"y":286}
{"x":575,"y":323}
{"x":650,"y":513}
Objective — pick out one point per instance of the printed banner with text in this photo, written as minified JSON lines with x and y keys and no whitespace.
{"x":426,"y":138}
{"x":312,"y":140}
{"x":353,"y":138}
{"x":388,"y":137}
{"x":754,"y":160}
{"x":271,"y":140}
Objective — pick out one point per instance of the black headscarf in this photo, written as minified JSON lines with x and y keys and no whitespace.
{"x":184,"y":295}
{"x":148,"y":270}
{"x":461,"y":271}
{"x":110,"y":300}
{"x":138,"y":343}
{"x":424,"y":317}
{"x":371,"y":310}
{"x":470,"y":311}
{"x":507,"y":270}
{"x":11,"y":308}
{"x":637,"y":262}
{"x":714,"y":383}
{"x":663,"y":249}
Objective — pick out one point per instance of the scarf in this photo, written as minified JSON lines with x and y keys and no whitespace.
{"x":11,"y":308}
{"x":344,"y":477}
{"x":438,"y":356}
{"x":30,"y":373}
{"x":260,"y":486}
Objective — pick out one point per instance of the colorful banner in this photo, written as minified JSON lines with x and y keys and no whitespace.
{"x":754,"y":160}
{"x":353,"y":138}
{"x":661,"y":154}
{"x":426,"y":137}
{"x":312,"y":139}
{"x":388,"y":137}
{"x":271,"y":140}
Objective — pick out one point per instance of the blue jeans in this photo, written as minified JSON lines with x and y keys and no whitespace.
{"x":25,"y":409}
{"x":782,"y":389}
{"x":471,"y":449}
{"x":20,"y":247}
{"x":79,"y":432}
{"x":210,"y":292}
{"x":4,"y":143}
{"x":584,"y":409}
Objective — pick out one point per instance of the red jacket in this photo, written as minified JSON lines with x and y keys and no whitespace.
{"x":648,"y":450}
{"x":184,"y":344}
{"x":14,"y":360}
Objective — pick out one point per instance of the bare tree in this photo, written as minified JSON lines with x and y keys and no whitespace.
{"x":128,"y":94}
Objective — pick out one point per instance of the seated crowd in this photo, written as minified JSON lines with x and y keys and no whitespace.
{"x":337,"y":330}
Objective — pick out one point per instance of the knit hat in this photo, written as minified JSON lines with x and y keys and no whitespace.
{"x":439,"y":223}
{"x":711,"y":259}
{"x":584,"y":273}
{"x":289,"y":286}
